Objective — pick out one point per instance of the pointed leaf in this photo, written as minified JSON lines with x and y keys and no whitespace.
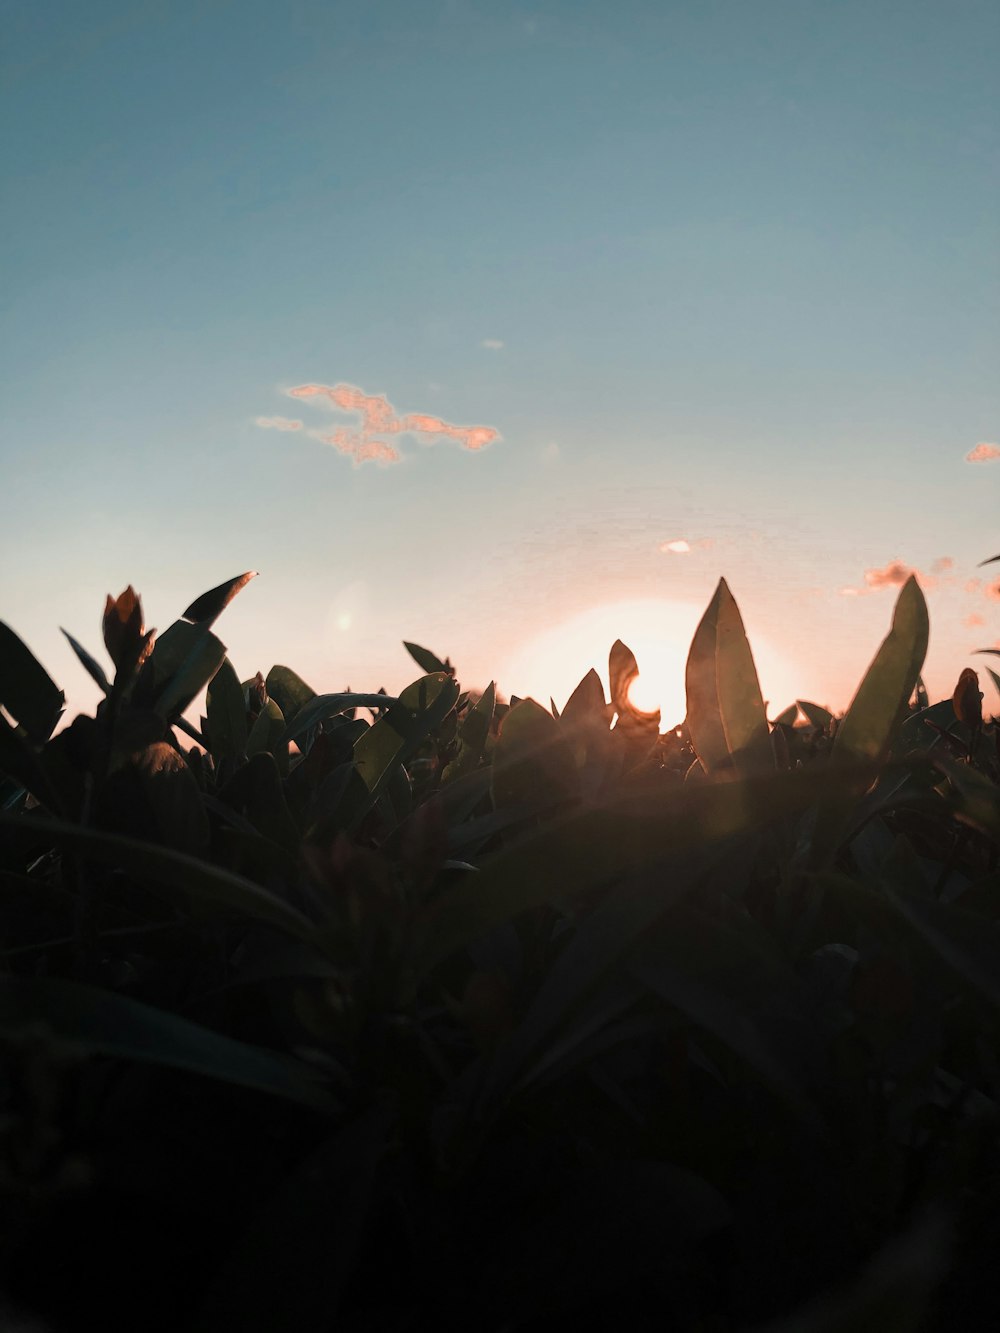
{"x":90,"y":664}
{"x":586,"y":701}
{"x":622,"y":671}
{"x":117,"y":1026}
{"x":210,"y":605}
{"x":27,"y":691}
{"x":818,"y":717}
{"x":424,"y":658}
{"x":869,"y":725}
{"x":741,"y":704}
{"x":532,"y":761}
{"x":704,"y":716}
{"x":868,"y":729}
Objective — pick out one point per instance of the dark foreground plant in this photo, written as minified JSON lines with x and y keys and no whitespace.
{"x":480,"y":1015}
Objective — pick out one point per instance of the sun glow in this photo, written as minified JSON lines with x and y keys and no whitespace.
{"x":659,"y":633}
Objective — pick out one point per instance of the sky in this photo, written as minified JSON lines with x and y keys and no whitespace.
{"x":492,"y":325}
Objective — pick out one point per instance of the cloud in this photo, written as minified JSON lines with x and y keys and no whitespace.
{"x":492,"y":344}
{"x":379,"y":417}
{"x":550,"y":451}
{"x":983,"y":452}
{"x":974,"y":620}
{"x":894,"y":575}
{"x":278,"y":423}
{"x":678,"y":547}
{"x":941,"y":564}
{"x":992,"y":591}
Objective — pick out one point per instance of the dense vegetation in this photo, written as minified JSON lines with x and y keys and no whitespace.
{"x":483,"y":1016}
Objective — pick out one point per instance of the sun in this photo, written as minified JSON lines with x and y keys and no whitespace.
{"x":659,"y":632}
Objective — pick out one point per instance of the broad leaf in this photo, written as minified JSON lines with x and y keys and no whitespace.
{"x":27,"y":691}
{"x":106,"y":1024}
{"x":532,"y":761}
{"x":185,"y":879}
{"x":289,"y":691}
{"x":227,"y":714}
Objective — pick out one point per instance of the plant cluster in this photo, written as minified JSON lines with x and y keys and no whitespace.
{"x":366,"y":1012}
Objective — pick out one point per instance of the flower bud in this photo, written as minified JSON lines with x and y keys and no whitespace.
{"x":967,"y":700}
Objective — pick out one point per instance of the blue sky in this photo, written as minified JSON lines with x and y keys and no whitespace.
{"x":720,"y":273}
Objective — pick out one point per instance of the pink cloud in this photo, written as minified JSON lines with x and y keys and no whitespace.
{"x":892,"y":575}
{"x":278,"y":423}
{"x":974,"y":620}
{"x":379,"y":417}
{"x":992,"y":591}
{"x":973,"y":585}
{"x":983,"y":452}
{"x":679,"y":547}
{"x":941,"y":564}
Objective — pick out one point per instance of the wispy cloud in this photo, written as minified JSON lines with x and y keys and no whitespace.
{"x":974,"y":620}
{"x":550,"y":451}
{"x":378,"y":417}
{"x":278,"y":423}
{"x":894,"y":575}
{"x":678,"y":547}
{"x":992,"y":591}
{"x":983,"y":452}
{"x":942,"y":564}
{"x":492,"y":344}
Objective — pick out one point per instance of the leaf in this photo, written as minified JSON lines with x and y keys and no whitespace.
{"x":473,"y":733}
{"x":266,"y":731}
{"x":184,"y":660}
{"x":107,"y":1024}
{"x":582,"y":969}
{"x":532,"y":761}
{"x":210,"y":605}
{"x":27,"y":691}
{"x":867,"y":730}
{"x":90,"y":664}
{"x":818,"y":717}
{"x":741,"y":704}
{"x":715,"y":1012}
{"x":992,"y":560}
{"x":256,"y":791}
{"x":288,"y":690}
{"x":185,"y":879}
{"x":227,"y":714}
{"x":425,"y":659}
{"x":993,"y":677}
{"x":622,"y":671}
{"x":325,"y":706}
{"x":621,"y":837}
{"x":19,"y":760}
{"x":586,"y":702}
{"x":394,"y":738}
{"x":787,"y":717}
{"x":726,"y":719}
{"x":156,"y":787}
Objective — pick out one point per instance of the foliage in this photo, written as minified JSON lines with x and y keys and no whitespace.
{"x":469,"y":1014}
